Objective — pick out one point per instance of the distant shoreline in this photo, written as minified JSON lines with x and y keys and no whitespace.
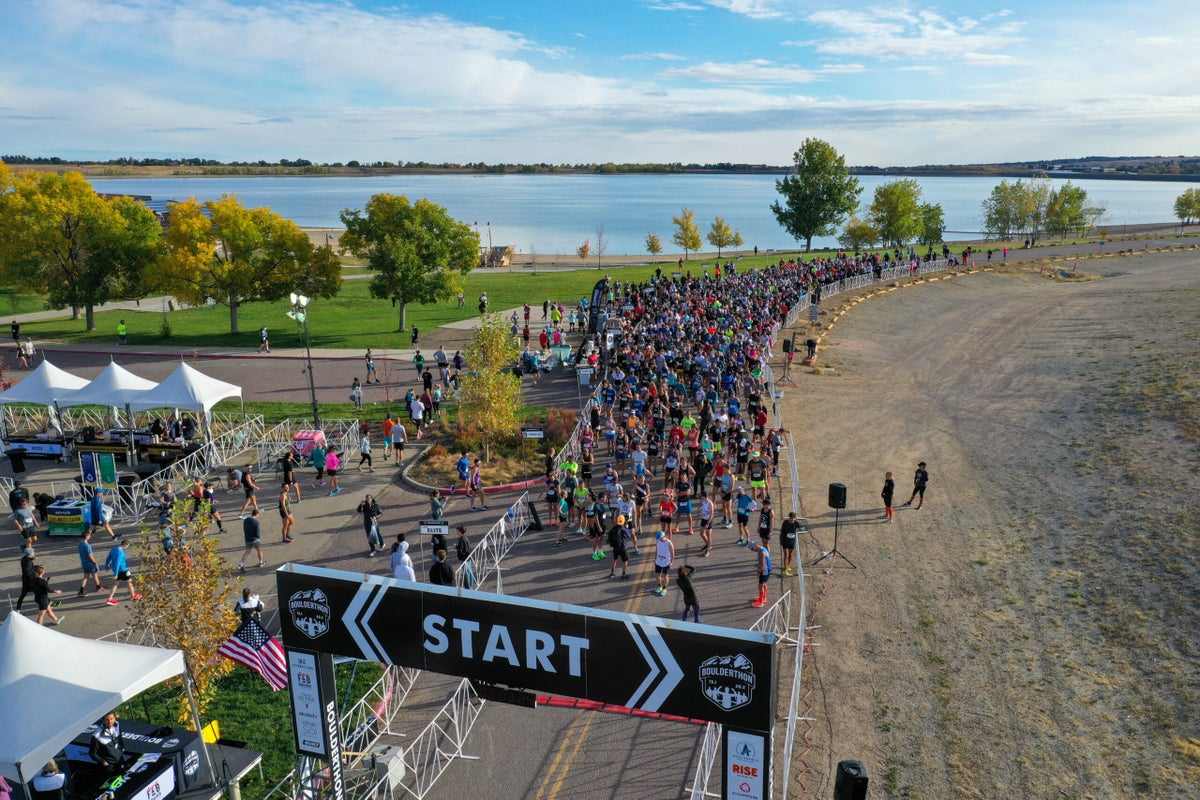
{"x":134,"y":172}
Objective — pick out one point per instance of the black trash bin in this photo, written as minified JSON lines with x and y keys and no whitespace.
{"x":86,"y":490}
{"x":125,"y":484}
{"x":16,"y":457}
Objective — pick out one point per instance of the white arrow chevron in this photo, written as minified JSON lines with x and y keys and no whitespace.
{"x":363,"y":636}
{"x":653,"y":672}
{"x":653,"y":630}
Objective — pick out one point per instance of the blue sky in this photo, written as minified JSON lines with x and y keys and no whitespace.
{"x":615,"y":80}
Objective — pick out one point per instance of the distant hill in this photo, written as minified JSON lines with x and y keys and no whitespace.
{"x":1139,"y":167}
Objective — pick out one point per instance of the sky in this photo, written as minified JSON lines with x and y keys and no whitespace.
{"x":691,"y":81}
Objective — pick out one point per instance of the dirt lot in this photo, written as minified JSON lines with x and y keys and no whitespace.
{"x":1032,"y":632}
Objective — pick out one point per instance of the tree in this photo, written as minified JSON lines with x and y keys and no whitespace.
{"x":895,"y":211}
{"x":186,"y":600}
{"x":818,"y":195}
{"x":78,"y":248}
{"x":687,"y":232}
{"x":1016,"y":209}
{"x":720,"y":235}
{"x":1065,"y":210}
{"x":858,"y":235}
{"x":933,"y":224}
{"x":1187,"y":206}
{"x":601,"y":245}
{"x":417,"y":251}
{"x":584,"y":250}
{"x":235,"y":255}
{"x":490,"y":392}
{"x":653,"y":244}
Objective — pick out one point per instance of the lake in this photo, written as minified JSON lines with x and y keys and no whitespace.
{"x":546,"y":214}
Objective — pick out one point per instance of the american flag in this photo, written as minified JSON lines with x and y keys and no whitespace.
{"x":253,"y":647}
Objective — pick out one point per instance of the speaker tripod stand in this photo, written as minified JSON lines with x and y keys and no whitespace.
{"x":835,"y":552}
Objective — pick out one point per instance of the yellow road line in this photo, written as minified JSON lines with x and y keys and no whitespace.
{"x":562,"y":749}
{"x":566,"y":767}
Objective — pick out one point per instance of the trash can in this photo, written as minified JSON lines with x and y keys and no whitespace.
{"x":16,"y":457}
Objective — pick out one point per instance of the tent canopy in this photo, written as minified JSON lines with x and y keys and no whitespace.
{"x":188,"y":388}
{"x":55,"y":686}
{"x":115,"y":386}
{"x":43,"y":386}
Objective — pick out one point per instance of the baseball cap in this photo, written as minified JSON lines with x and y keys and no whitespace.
{"x":659,"y":535}
{"x":100,"y":490}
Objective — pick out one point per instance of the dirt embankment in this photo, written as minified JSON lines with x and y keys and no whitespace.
{"x":1031,"y":632}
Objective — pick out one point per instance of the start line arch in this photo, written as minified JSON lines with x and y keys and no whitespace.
{"x":722,"y":675}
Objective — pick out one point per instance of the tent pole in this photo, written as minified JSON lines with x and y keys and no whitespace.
{"x":187,"y":684}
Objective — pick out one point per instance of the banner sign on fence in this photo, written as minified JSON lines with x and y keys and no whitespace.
{"x":723,"y":675}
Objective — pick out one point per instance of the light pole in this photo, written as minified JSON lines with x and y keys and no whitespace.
{"x":299,"y":313}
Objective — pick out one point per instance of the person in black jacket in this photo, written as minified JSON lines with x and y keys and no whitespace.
{"x":684,"y":581}
{"x":107,"y":747}
{"x":440,"y":573}
{"x":28,"y":574}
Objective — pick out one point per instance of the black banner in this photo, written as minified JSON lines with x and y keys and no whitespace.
{"x":723,"y":675}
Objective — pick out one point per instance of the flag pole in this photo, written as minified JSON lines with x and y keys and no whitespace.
{"x":187,"y":685}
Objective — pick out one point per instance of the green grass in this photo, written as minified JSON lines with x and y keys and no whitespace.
{"x":17,"y":302}
{"x":352,"y":319}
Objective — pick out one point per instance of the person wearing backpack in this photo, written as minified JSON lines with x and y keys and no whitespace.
{"x":618,"y":539}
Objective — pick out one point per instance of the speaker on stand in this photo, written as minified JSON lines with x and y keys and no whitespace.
{"x":851,"y":782}
{"x":837,"y":501}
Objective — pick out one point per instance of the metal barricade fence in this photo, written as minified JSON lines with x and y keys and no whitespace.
{"x":488,"y":552}
{"x":710,"y":749}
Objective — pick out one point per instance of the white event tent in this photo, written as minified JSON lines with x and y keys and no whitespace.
{"x":115,"y":386}
{"x":188,"y":388}
{"x":51,"y":694}
{"x":43,"y":386}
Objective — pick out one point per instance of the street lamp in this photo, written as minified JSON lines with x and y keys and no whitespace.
{"x":299,"y":313}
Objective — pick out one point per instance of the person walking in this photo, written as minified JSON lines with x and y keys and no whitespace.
{"x":286,"y":518}
{"x":370,"y":515}
{"x":87,"y":561}
{"x":920,"y":481}
{"x":249,"y":487}
{"x":462,"y":551}
{"x":788,"y":533}
{"x":118,"y":564}
{"x":289,"y":472}
{"x":28,"y":573}
{"x":264,"y":340}
{"x":252,"y":536}
{"x":26,"y":522}
{"x":707,"y":509}
{"x":766,"y":521}
{"x":664,"y":554}
{"x":100,"y":513}
{"x":364,"y":451}
{"x":208,"y":500}
{"x":889,"y":489}
{"x":41,"y":596}
{"x":399,"y":439}
{"x":683,"y":579}
{"x":745,"y":504}
{"x":763,"y":568}
{"x":122,"y":333}
{"x":475,"y":487}
{"x":318,"y":455}
{"x":388,"y":426}
{"x":332,"y":462}
{"x":369,"y":361}
{"x":356,"y":394}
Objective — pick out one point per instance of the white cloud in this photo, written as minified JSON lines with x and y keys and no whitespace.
{"x":901,"y":33}
{"x":652,"y":57}
{"x":756,"y":71}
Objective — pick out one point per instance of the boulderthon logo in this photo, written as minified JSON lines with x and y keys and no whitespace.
{"x":728,"y":681}
{"x":310,"y":612}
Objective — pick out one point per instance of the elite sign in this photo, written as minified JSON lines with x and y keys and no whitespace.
{"x":718,"y":674}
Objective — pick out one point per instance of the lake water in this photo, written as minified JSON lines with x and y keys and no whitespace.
{"x":546,"y":214}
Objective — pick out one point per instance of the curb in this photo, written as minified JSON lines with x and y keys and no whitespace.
{"x":426,"y":489}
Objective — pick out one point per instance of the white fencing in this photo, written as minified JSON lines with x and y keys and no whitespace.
{"x":710,"y":749}
{"x":441,"y":741}
{"x":487,"y":553}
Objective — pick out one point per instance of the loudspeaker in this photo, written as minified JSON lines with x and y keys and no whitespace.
{"x":837,"y":495}
{"x":787,"y":345}
{"x":851,"y":783}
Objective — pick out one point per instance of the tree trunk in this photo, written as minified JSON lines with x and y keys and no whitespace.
{"x":233,"y":316}
{"x":808,"y":244}
{"x":89,"y":314}
{"x":403,"y":317}
{"x":74,"y":312}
